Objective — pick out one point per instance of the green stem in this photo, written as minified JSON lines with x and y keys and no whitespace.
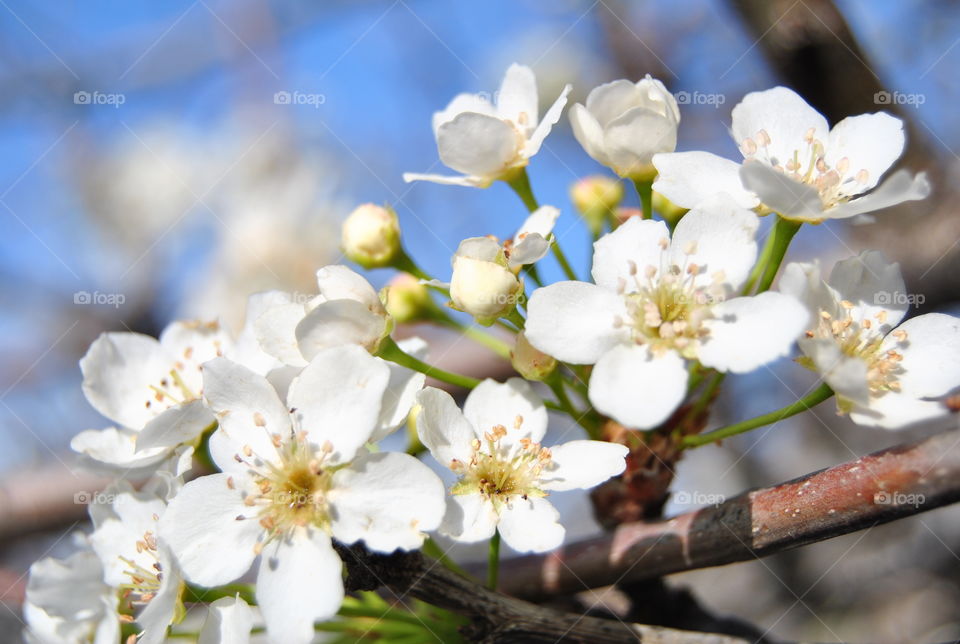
{"x":531,"y":270}
{"x":209,"y":595}
{"x":432,"y":549}
{"x":562,"y":260}
{"x":390,"y":351}
{"x":760,"y":264}
{"x":404,"y":262}
{"x":555,"y":382}
{"x":515,"y":318}
{"x":645,"y":192}
{"x":493,"y":561}
{"x":815,"y":397}
{"x":491,"y":342}
{"x":520,"y":182}
{"x":782,"y":233}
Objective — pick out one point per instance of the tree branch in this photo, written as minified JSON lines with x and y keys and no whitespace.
{"x":496,"y":617}
{"x":887,"y":485}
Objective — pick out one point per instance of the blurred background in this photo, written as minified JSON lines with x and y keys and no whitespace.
{"x":150,"y":170}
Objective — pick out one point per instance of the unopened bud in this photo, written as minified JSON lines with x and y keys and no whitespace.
{"x":482,"y":284}
{"x":594,"y":198}
{"x":670,"y":211}
{"x":408,"y":300}
{"x":530,"y":362}
{"x":371,"y":236}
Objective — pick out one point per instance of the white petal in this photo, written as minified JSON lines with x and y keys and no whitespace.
{"x":898,"y":187}
{"x":632,"y":247}
{"x":873,"y":285}
{"x":246,"y":405}
{"x":608,"y":101}
{"x":871,"y":142}
{"x":299,"y":583}
{"x":583,"y":464}
{"x":389,"y":500}
{"x":478,"y":145}
{"x":587,"y":131}
{"x":336,"y":323}
{"x":637,"y":389}
{"x":531,"y":249}
{"x":931,"y":354}
{"x":469,"y":518}
{"x":459,"y":104}
{"x":442,"y":428}
{"x":483,"y":249}
{"x":749,"y":332}
{"x":276,"y":331}
{"x":687,"y":178}
{"x":546,"y":124}
{"x":509,"y":404}
{"x":114,"y":449}
{"x":118,"y":370}
{"x":337,"y":398}
{"x":517,"y":99}
{"x":846,"y":375}
{"x":530,"y":525}
{"x":574,"y":321}
{"x":229,"y":621}
{"x":190,"y":344}
{"x":896,"y":411}
{"x":176,"y":425}
{"x":803,"y":281}
{"x":202,"y":528}
{"x":338,"y":282}
{"x":401,"y":393}
{"x":784,"y":116}
{"x":723,"y":236}
{"x":541,"y":221}
{"x":632,"y":139}
{"x":782,"y":194}
{"x":160,"y":612}
{"x":465,"y":180}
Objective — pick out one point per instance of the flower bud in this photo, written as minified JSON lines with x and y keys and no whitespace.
{"x":529,"y":362}
{"x":482,"y":284}
{"x":371,"y":236}
{"x":594,"y":198}
{"x":408,"y":300}
{"x":670,"y":211}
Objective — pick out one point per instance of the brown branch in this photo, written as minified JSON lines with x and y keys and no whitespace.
{"x":887,"y":485}
{"x":496,"y":617}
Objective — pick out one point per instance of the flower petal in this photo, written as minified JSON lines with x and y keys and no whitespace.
{"x":202,"y":527}
{"x":687,"y":178}
{"x":517,"y":99}
{"x":632,"y":139}
{"x":636,"y":244}
{"x":461,"y":103}
{"x":337,"y":398}
{"x":442,"y":427}
{"x":898,"y":187}
{"x":276,"y":331}
{"x":896,"y":411}
{"x":118,"y":370}
{"x":846,"y":375}
{"x":589,"y":134}
{"x":512,"y":404}
{"x":337,"y":282}
{"x":476,"y":144}
{"x":873,"y":285}
{"x":785,"y":117}
{"x":246,"y":406}
{"x":176,"y":425}
{"x":389,"y":500}
{"x":782,"y":194}
{"x":229,"y":620}
{"x":637,"y":389}
{"x":401,"y":393}
{"x":337,"y":323}
{"x":550,"y":118}
{"x":608,"y":101}
{"x":723,"y":237}
{"x":299,"y":583}
{"x":931,"y":354}
{"x":469,"y":518}
{"x":748,"y":332}
{"x":871,"y":142}
{"x":530,"y":525}
{"x":582,"y":465}
{"x":467,"y":181}
{"x":575,"y":321}
{"x":113,"y":449}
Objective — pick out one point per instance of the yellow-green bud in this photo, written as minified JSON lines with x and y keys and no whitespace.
{"x":670,"y":211}
{"x":530,"y":362}
{"x":414,"y":446}
{"x":408,"y":300}
{"x":371,"y":236}
{"x":595,"y":197}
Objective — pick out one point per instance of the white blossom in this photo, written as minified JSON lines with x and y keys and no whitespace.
{"x":490,"y":141}
{"x":624,"y":124}
{"x":656,"y":302}
{"x":292,"y":476}
{"x":795,"y":165}
{"x":505,"y":475}
{"x":229,"y":620}
{"x":885,"y":374}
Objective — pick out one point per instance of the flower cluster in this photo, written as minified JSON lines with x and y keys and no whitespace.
{"x":258,"y":455}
